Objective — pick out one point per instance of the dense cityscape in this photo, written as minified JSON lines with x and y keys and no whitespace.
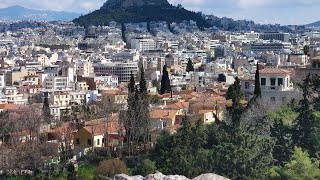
{"x":159,"y":99}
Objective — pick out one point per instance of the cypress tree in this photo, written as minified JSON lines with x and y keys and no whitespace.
{"x":143,"y":83}
{"x":257,"y":85}
{"x":131,"y":84}
{"x":46,"y":109}
{"x":165,"y":81}
{"x":190,"y":66}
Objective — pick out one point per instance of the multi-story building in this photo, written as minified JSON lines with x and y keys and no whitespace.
{"x":121,"y":69}
{"x":275,"y":36}
{"x":85,"y":68}
{"x":275,"y":84}
{"x":142,"y":44}
{"x":56,"y":83}
{"x":15,"y":75}
{"x":13,"y":96}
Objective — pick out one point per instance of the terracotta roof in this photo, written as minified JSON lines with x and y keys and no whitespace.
{"x":10,"y":106}
{"x":317,"y":58}
{"x":99,"y":129}
{"x":163,"y":114}
{"x":178,"y":105}
{"x":114,"y":92}
{"x":274,"y":71}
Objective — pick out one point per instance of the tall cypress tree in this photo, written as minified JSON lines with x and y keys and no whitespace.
{"x":190,"y":66}
{"x":143,"y":83}
{"x":257,"y":85}
{"x":131,"y":83}
{"x":46,"y":109}
{"x":165,"y":81}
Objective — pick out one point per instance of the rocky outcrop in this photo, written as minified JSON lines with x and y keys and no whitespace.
{"x":160,"y":176}
{"x":210,"y":177}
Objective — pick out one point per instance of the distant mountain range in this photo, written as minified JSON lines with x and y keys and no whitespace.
{"x":22,"y":13}
{"x":315,"y":24}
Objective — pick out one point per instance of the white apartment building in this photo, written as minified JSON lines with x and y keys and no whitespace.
{"x":143,"y":44}
{"x":121,"y":69}
{"x":13,"y":96}
{"x":275,"y":84}
{"x":56,"y":83}
{"x":103,"y":80}
{"x":2,"y":80}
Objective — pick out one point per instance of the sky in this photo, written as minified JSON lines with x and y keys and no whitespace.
{"x":261,"y":11}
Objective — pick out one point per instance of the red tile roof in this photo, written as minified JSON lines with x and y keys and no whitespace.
{"x":274,"y":71}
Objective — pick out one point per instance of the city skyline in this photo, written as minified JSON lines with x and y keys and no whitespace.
{"x":261,"y":11}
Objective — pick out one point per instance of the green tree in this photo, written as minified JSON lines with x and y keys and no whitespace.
{"x":143,"y":84}
{"x":222,"y":78}
{"x":257,"y":85}
{"x":305,"y":122}
{"x":165,"y":81}
{"x":306,"y":49}
{"x":146,"y":167}
{"x":72,"y":174}
{"x":241,"y":151}
{"x":283,"y":147}
{"x":190,"y":66}
{"x":300,"y":167}
{"x":156,"y":84}
{"x":46,"y":109}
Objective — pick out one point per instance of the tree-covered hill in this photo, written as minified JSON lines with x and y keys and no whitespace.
{"x":141,"y":13}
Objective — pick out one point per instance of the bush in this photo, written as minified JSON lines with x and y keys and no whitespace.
{"x":146,"y":167}
{"x":111,"y":167}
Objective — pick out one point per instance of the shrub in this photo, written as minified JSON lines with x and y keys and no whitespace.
{"x":146,"y":167}
{"x":111,"y":167}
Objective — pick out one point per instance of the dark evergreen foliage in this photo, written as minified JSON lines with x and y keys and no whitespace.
{"x":165,"y":81}
{"x":190,"y":66}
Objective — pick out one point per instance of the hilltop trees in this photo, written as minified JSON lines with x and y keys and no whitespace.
{"x":165,"y":81}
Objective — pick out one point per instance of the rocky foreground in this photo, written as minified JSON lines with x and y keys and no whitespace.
{"x":160,"y":176}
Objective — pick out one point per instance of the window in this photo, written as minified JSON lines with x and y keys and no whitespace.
{"x":103,"y":140}
{"x":280,"y":81}
{"x":89,"y":142}
{"x":246,"y":85}
{"x":273,"y":99}
{"x":164,"y":124}
{"x":98,"y":142}
{"x":77,"y":141}
{"x":263,"y":81}
{"x":273,"y":81}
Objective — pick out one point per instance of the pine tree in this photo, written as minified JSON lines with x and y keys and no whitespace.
{"x":190,"y":66}
{"x":143,"y":83}
{"x":165,"y":81}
